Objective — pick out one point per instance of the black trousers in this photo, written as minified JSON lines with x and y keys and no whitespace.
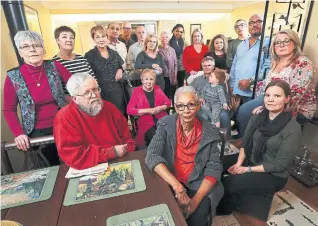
{"x":239,"y":189}
{"x":201,"y":216}
{"x":50,"y":150}
{"x":202,"y":213}
{"x":180,"y":78}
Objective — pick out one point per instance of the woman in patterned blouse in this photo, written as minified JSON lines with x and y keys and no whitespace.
{"x":288,"y":64}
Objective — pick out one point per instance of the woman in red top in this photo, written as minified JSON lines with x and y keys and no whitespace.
{"x":37,"y":87}
{"x":149,"y":102}
{"x":193,"y":54}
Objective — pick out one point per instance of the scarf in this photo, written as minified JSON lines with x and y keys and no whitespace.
{"x":267,"y":129}
{"x":194,"y":137}
{"x":177,"y":45}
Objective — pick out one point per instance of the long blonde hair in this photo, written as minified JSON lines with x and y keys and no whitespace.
{"x":297,"y":50}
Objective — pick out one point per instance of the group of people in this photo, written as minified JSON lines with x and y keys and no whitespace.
{"x":82,"y":102}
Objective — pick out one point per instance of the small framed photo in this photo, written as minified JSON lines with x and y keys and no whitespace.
{"x":194,"y":26}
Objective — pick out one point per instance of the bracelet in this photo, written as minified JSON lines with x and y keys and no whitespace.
{"x":178,"y":193}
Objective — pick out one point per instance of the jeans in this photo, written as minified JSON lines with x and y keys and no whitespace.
{"x":225,"y":121}
{"x":245,"y":99}
{"x":245,"y":112}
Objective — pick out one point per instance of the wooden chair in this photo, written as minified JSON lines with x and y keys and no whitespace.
{"x":37,"y":159}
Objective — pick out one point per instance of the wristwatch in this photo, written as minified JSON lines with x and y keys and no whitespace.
{"x":249,"y":170}
{"x":251,"y":81}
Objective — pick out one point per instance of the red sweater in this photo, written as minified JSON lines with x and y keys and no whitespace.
{"x":45,"y":105}
{"x":84,"y":141}
{"x":191,"y":59}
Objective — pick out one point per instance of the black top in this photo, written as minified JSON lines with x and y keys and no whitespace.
{"x":105,"y":70}
{"x":220,"y":60}
{"x":128,"y":43}
{"x":144,"y":61}
{"x":151,"y":99}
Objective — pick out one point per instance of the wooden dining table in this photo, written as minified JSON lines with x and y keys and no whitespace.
{"x":52,"y":212}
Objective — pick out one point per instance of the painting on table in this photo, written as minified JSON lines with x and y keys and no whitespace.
{"x":158,"y":219}
{"x":150,"y":216}
{"x":26,"y":187}
{"x":119,"y":179}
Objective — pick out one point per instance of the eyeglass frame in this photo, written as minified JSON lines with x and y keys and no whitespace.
{"x":252,"y":23}
{"x":283,"y":42}
{"x":88,"y":93}
{"x":28,"y":47}
{"x":186,"y":105}
{"x":240,"y":25}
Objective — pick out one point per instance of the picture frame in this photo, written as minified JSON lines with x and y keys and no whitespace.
{"x":290,"y":1}
{"x":194,"y":26}
{"x":32,"y":18}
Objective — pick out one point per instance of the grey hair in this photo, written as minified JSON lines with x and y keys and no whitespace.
{"x":31,"y":36}
{"x":164,"y":33}
{"x":186,"y":89}
{"x":76,"y":81}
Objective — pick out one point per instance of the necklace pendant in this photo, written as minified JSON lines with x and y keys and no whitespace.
{"x":38,"y":84}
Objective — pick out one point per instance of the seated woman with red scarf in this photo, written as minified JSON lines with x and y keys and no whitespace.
{"x":184,"y":153}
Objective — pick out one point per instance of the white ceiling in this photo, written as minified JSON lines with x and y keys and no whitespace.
{"x":225,"y":5}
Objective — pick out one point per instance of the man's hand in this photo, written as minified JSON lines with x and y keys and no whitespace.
{"x":241,"y":170}
{"x":244,"y":84}
{"x":226,"y":107}
{"x":22,"y":142}
{"x":121,"y":150}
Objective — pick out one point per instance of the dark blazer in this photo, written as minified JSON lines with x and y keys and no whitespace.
{"x":207,"y":160}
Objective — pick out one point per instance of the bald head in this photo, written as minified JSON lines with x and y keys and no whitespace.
{"x":255,"y":25}
{"x":141,"y":33}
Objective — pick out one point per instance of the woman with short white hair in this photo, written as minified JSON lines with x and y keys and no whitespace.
{"x":170,"y":59}
{"x":184,"y":153}
{"x":37,"y":87}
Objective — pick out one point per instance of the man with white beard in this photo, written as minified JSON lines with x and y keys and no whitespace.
{"x":90,"y":130}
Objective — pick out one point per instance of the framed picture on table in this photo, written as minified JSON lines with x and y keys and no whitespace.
{"x":194,"y":26}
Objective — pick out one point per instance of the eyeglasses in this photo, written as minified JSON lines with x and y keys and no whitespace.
{"x":127,"y":28}
{"x":190,"y":106}
{"x":239,"y":26}
{"x":286,"y":42}
{"x":252,"y":23}
{"x":88,"y":93}
{"x":33,"y":46}
{"x":114,"y":28}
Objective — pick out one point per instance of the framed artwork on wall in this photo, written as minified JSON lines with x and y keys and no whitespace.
{"x":32,"y":19}
{"x":194,"y":26}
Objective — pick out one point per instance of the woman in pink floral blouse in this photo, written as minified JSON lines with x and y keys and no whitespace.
{"x":290,"y":65}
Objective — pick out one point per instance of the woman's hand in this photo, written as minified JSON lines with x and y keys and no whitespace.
{"x":22,"y":142}
{"x":258,"y":110}
{"x":193,"y":205}
{"x":202,"y":101}
{"x":155,"y":66}
{"x":217,"y":124}
{"x":226,"y":107}
{"x":183,"y":200}
{"x":193,"y":72}
{"x":241,"y":170}
{"x":119,"y":75}
{"x":233,"y":168}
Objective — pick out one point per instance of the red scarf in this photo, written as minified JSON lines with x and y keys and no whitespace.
{"x":187,"y":147}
